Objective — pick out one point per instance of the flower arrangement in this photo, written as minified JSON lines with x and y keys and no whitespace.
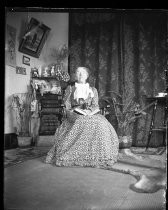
{"x":58,"y":73}
{"x":59,"y":55}
{"x":61,"y":75}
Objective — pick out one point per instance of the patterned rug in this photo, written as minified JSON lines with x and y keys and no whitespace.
{"x":19,"y":155}
{"x":148,"y":167}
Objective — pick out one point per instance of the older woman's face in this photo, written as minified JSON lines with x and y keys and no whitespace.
{"x":81,"y":75}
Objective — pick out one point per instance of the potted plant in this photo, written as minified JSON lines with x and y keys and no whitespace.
{"x":58,"y":67}
{"x":20,"y":104}
{"x":60,"y":53}
{"x":126,"y":114}
{"x":59,"y":56}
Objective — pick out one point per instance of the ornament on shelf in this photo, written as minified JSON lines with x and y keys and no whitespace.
{"x":39,"y":71}
{"x":52,"y":71}
{"x":34,"y":72}
{"x":46,"y":72}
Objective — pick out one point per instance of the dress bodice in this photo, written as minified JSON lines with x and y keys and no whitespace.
{"x":70,"y":102}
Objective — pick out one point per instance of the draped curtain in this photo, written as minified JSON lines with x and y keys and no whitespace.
{"x":126,"y":52}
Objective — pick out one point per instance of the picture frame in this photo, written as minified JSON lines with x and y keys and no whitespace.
{"x":34,"y":72}
{"x":26,"y":60}
{"x":34,"y":38}
{"x":20,"y":70}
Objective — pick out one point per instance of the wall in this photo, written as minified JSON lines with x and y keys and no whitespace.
{"x":17,"y":83}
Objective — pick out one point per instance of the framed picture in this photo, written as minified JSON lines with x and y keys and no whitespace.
{"x":34,"y":38}
{"x":26,"y":60}
{"x":34,"y":72}
{"x":10,"y":45}
{"x":20,"y":70}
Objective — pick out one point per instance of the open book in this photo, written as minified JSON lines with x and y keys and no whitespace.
{"x":82,"y":111}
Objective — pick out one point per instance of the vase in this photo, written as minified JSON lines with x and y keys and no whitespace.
{"x":125,"y":142}
{"x":24,"y":141}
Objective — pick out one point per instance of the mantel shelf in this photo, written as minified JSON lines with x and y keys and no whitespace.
{"x":45,"y":78}
{"x":48,"y":94}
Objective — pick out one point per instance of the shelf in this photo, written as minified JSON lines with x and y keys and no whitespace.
{"x":45,"y":78}
{"x":47,"y":133}
{"x":50,"y":95}
{"x":50,"y":112}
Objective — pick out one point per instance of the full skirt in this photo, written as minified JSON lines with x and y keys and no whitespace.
{"x":86,"y":141}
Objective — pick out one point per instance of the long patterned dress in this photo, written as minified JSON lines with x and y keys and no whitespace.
{"x":84,"y":140}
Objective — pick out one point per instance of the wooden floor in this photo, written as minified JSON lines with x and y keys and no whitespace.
{"x":33,"y":185}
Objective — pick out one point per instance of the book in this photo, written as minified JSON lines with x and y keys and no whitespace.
{"x":84,"y":112}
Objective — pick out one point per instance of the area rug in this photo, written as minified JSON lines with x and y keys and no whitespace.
{"x":19,"y":155}
{"x":149,"y":169}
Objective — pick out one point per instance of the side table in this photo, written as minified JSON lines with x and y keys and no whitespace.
{"x":164,"y":128}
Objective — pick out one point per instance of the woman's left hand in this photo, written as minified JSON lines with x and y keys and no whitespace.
{"x":87,"y":111}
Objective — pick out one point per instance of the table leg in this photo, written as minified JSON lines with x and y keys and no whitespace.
{"x":152,"y":123}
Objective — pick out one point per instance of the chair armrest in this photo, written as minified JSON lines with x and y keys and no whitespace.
{"x":103,"y":110}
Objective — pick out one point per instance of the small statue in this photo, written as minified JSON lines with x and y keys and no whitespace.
{"x":52,"y":71}
{"x":45,"y":72}
{"x":39,"y":71}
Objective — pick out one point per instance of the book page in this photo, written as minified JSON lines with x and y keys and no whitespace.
{"x":78,"y":110}
{"x":95,"y":111}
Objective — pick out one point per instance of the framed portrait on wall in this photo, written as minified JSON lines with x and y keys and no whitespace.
{"x":26,"y":60}
{"x":34,"y":38}
{"x":20,"y":70}
{"x":10,"y":46}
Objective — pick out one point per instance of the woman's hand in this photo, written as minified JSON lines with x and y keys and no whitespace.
{"x":87,"y":111}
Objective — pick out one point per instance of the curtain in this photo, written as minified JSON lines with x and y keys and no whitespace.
{"x":126,"y":52}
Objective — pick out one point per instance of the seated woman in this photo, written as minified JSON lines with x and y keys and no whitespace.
{"x":83,"y":140}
